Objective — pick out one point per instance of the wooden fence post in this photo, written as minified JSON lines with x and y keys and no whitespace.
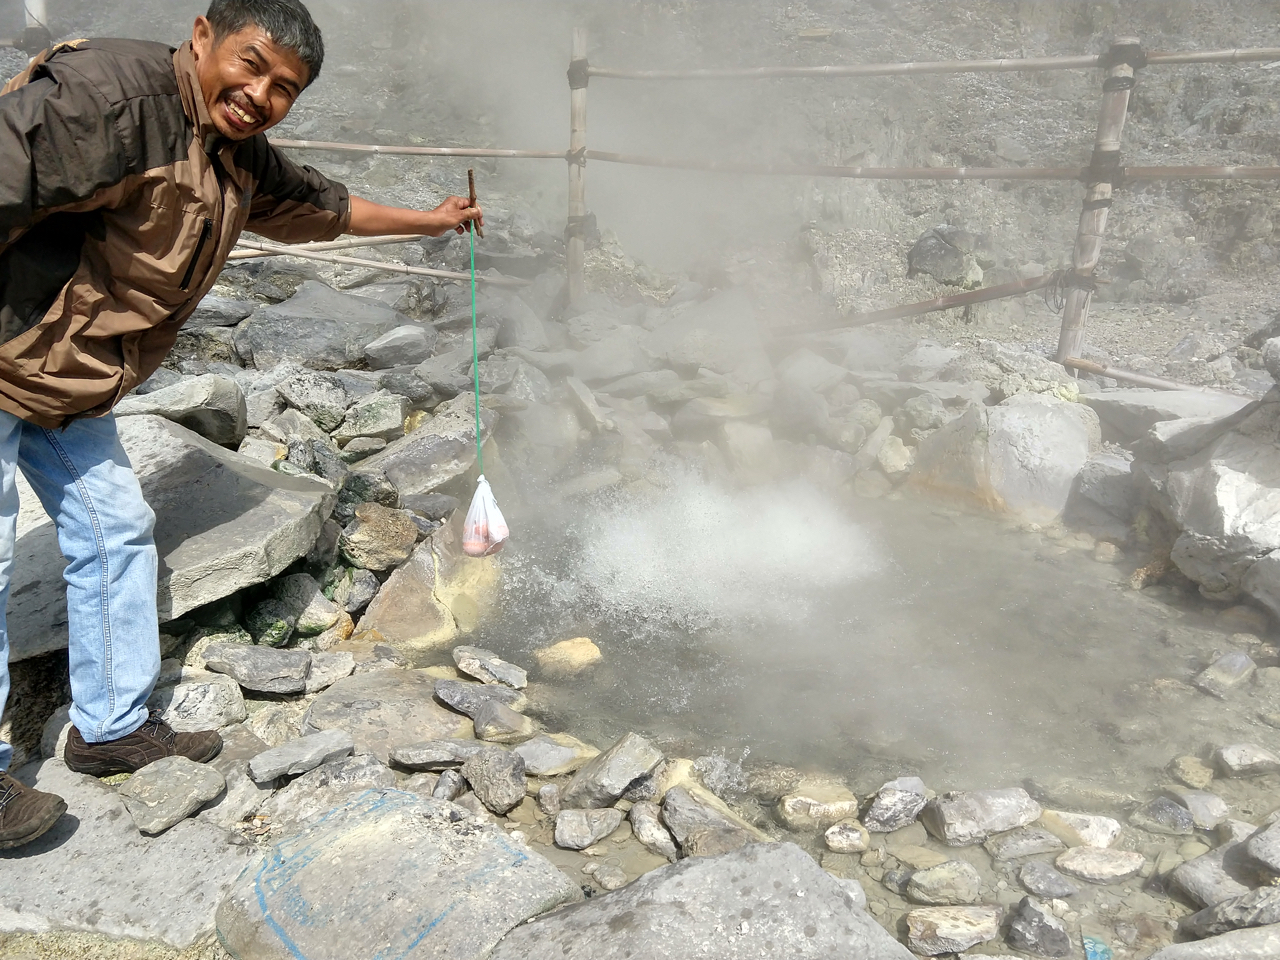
{"x":576,"y":229}
{"x":1122,"y":63}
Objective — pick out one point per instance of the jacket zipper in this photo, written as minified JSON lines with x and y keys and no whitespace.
{"x":206,"y":234}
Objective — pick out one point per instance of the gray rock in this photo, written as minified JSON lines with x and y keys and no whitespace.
{"x":1259,"y":943}
{"x":1264,"y":847}
{"x":446,"y":373}
{"x":470,"y":697}
{"x":364,"y":587}
{"x":450,"y":786}
{"x":1107,"y":481}
{"x":937,"y":930}
{"x":215,"y":311}
{"x":442,"y":448}
{"x":520,"y":327}
{"x":328,"y":668}
{"x":948,"y":884}
{"x":1129,"y":414}
{"x":168,"y":791}
{"x":305,"y":800}
{"x":1258,"y":908}
{"x":271,"y":623}
{"x":318,"y":327}
{"x":212,"y":406}
{"x":897,"y":804}
{"x":488,"y":667}
{"x":964,"y":818}
{"x":224,"y":522}
{"x":1023,"y":842}
{"x":261,"y":668}
{"x":301,"y":755}
{"x":405,"y":345}
{"x":1215,"y":876}
{"x":379,"y":538}
{"x":579,"y":829}
{"x":263,"y":405}
{"x":383,"y":709}
{"x":700,"y":827}
{"x":200,"y":701}
{"x":414,"y":875}
{"x":1036,"y":931}
{"x":549,"y":799}
{"x":1207,"y":809}
{"x":312,"y":613}
{"x":498,"y":723}
{"x":436,"y":755}
{"x":1044,"y":881}
{"x":811,"y":371}
{"x":242,"y":798}
{"x":699,"y":908}
{"x":433,"y":506}
{"x":320,"y":397}
{"x":360,"y":448}
{"x":934,"y":256}
{"x":554,"y":754}
{"x":1163,"y":815}
{"x":1172,"y":440}
{"x":380,"y":415}
{"x":606,"y":778}
{"x":1229,"y":672}
{"x":1245,"y":760}
{"x":646,"y":823}
{"x":497,"y":778}
{"x":94,"y":872}
{"x":1099,"y":865}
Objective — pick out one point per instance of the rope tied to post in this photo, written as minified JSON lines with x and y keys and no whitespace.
{"x":579,"y":74}
{"x":1129,"y":53}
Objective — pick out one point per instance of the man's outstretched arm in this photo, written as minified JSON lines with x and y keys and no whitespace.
{"x":370,"y":219}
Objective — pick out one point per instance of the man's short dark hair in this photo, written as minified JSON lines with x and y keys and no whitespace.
{"x":287,"y":22}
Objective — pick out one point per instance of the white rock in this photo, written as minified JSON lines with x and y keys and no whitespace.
{"x":1081,"y":829}
{"x":1100,"y":866}
{"x":1246,"y":760}
{"x":964,"y":818}
{"x":936,"y":930}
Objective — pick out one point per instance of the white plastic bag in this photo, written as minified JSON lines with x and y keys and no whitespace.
{"x":486,"y":530}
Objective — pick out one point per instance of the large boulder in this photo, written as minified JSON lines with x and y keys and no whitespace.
{"x":403,"y":874}
{"x":212,"y":406}
{"x":763,"y":901}
{"x":1128,"y":414}
{"x":223,"y":522}
{"x":1020,"y":458}
{"x":721,"y":334}
{"x":318,"y":327}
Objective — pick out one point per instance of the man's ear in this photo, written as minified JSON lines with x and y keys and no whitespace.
{"x":202,"y":37}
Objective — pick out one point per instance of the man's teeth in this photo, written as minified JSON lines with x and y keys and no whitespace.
{"x":241,"y":114}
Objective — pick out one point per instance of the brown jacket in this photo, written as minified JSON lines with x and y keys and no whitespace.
{"x":119,"y":203}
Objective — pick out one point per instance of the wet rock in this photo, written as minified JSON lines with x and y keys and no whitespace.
{"x":444,"y":447}
{"x":933,"y":255}
{"x":1260,"y":943}
{"x":717,"y":907}
{"x":271,"y":623}
{"x":408,"y":610}
{"x":816,"y":805}
{"x":417,"y":874}
{"x":436,"y":754}
{"x":305,"y":800}
{"x":646,"y":823}
{"x":1129,"y":414}
{"x":952,"y":883}
{"x":847,"y":836}
{"x":1207,"y":809}
{"x":1035,"y":930}
{"x":554,"y":754}
{"x":301,"y":755}
{"x":212,"y":406}
{"x":604,"y":779}
{"x":328,"y":668}
{"x":468,"y":698}
{"x":520,"y":327}
{"x":897,"y":804}
{"x":1258,"y":908}
{"x":1212,"y":877}
{"x":1192,"y":771}
{"x":379,"y":538}
{"x":497,"y":778}
{"x":932,"y":931}
{"x":404,"y":346}
{"x":702,"y":824}
{"x":1229,"y":672}
{"x":488,"y":667}
{"x":168,"y":791}
{"x":964,"y":818}
{"x":579,"y":829}
{"x":1023,"y":842}
{"x":383,"y":709}
{"x":498,"y":723}
{"x":261,"y":668}
{"x":1098,"y":865}
{"x":568,"y":657}
{"x":1039,"y":878}
{"x":1245,"y":760}
{"x":1163,"y":815}
{"x":1264,"y":847}
{"x":200,"y":701}
{"x":318,"y":328}
{"x":1081,"y":829}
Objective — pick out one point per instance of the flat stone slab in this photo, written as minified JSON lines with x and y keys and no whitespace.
{"x":1131,"y":413}
{"x":607,"y":777}
{"x":385,"y":708}
{"x":168,"y":791}
{"x":223,"y":522}
{"x":763,"y":902}
{"x":1260,"y":943}
{"x":301,"y":756}
{"x":314,"y":794}
{"x":406,"y":875}
{"x":264,"y":669}
{"x":553,"y":754}
{"x":94,"y":872}
{"x":435,"y":453}
{"x":1098,"y":865}
{"x":962,"y":818}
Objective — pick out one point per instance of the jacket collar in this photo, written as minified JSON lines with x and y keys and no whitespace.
{"x":184,"y":67}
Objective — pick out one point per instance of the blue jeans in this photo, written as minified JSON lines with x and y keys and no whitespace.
{"x":86,"y":484}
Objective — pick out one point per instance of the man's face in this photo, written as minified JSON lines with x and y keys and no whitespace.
{"x":248,"y":81}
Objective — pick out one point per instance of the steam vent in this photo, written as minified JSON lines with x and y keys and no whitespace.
{"x":874,"y":410}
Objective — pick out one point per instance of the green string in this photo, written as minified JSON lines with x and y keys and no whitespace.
{"x":475,"y":346}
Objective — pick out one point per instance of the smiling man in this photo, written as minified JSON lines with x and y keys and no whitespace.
{"x":127,"y":172}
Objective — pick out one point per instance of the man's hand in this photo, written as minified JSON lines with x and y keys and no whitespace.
{"x":370,"y":219}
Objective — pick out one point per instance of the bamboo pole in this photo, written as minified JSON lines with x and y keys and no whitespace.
{"x":305,"y":254}
{"x":1097,"y":200}
{"x":577,"y":248}
{"x":1137,"y":379}
{"x":326,"y":247}
{"x":1006,"y":65}
{"x":331,"y":147}
{"x":858,"y":173}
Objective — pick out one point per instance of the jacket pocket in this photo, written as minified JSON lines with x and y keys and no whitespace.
{"x":206,"y":234}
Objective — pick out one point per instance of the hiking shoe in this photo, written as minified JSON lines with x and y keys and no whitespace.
{"x":153,"y":741}
{"x":25,"y":814}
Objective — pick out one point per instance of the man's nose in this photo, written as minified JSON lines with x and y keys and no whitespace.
{"x":257,"y":92}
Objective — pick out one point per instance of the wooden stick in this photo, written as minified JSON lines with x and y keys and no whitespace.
{"x":858,"y":173}
{"x":576,"y":253}
{"x":416,"y":151}
{"x":286,"y":251}
{"x":1138,"y":379}
{"x":326,"y":247}
{"x":1097,"y":204}
{"x":471,"y":185}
